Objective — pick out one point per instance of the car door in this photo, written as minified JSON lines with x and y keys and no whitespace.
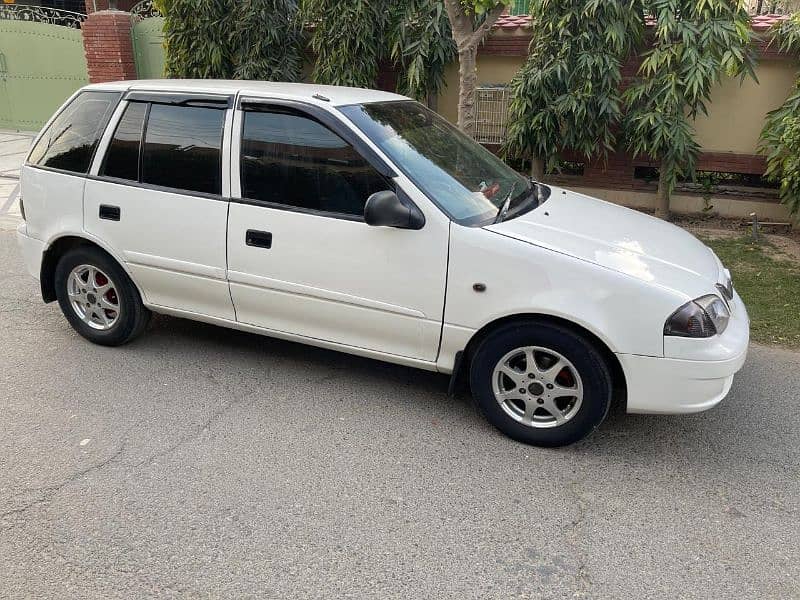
{"x":158,"y":197}
{"x":301,"y":259}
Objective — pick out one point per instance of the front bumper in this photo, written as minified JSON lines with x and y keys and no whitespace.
{"x":694,"y":383}
{"x":31,"y":249}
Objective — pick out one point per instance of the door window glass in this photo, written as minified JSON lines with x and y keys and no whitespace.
{"x":290,"y":159}
{"x":71,"y":139}
{"x":182,"y":148}
{"x":122,"y":158}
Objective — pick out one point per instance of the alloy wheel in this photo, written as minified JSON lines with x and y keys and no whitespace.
{"x":537,"y":387}
{"x":93,"y":296}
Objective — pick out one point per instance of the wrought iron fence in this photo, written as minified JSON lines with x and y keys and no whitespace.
{"x":144,"y":10}
{"x":41,"y":14}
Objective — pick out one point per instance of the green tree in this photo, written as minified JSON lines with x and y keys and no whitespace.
{"x":470,"y":22}
{"x":567,"y":94}
{"x":232,"y":39}
{"x":421,"y":45}
{"x":197,"y":43}
{"x":347,"y":39}
{"x":351,"y":38}
{"x":266,"y":40}
{"x":695,"y":43}
{"x":780,"y":138}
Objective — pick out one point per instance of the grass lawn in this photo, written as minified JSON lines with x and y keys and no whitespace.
{"x":769,"y":283}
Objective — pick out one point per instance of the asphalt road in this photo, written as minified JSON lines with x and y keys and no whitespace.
{"x":209,"y":463}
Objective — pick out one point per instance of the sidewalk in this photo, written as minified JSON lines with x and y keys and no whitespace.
{"x":14,"y":145}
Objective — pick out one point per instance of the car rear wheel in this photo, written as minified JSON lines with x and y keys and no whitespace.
{"x":541,"y":383}
{"x":98,"y":298}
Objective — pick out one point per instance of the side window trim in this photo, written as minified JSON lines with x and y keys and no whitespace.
{"x":298,"y":209}
{"x":220,"y":101}
{"x":321,"y":116}
{"x":228,"y":140}
{"x":111,"y":131}
{"x":142,"y":134}
{"x":327,"y":119}
{"x":105,"y":139}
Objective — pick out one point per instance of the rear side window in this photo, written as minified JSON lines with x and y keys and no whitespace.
{"x":71,"y":139}
{"x":182,"y":148}
{"x":122,"y":157}
{"x":290,"y":159}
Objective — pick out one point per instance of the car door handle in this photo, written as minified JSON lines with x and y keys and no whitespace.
{"x":259,"y":239}
{"x":110,"y":213}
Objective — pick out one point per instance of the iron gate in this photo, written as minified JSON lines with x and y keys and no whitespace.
{"x":42,"y":62}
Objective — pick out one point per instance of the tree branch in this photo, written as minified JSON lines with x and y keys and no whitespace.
{"x":459,"y":22}
{"x":486,"y":26}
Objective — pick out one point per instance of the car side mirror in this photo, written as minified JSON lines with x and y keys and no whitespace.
{"x":387,"y":209}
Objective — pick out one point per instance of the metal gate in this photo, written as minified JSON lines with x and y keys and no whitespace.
{"x":148,"y":40}
{"x":42,"y":62}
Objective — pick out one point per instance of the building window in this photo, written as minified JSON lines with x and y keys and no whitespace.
{"x":519,"y":7}
{"x":491,"y":114}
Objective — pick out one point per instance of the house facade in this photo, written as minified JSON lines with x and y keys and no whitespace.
{"x":49,"y":51}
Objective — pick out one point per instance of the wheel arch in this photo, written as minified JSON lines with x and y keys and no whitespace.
{"x":615,"y":367}
{"x":59,"y":246}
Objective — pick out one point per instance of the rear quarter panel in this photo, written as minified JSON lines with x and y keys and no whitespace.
{"x":53,"y":202}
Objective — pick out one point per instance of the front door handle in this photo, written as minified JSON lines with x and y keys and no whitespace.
{"x":110,"y":213}
{"x":259,"y":239}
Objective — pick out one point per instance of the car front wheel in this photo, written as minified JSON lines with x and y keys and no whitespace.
{"x":541,"y":383}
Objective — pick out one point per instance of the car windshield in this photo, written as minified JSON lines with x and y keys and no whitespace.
{"x":464,"y":179}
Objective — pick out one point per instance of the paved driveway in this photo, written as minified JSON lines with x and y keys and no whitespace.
{"x":14,"y":145}
{"x":208,"y":463}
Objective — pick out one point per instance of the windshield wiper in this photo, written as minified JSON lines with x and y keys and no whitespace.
{"x":501,"y":212}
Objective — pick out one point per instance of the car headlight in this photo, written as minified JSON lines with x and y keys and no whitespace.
{"x":726,"y":287}
{"x":700,"y":318}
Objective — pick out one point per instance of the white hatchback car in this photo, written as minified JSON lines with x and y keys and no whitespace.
{"x":361,"y":221}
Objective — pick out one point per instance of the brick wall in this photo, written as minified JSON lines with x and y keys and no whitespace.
{"x":108,"y":46}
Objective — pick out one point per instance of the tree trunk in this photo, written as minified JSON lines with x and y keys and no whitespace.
{"x":467,"y":82}
{"x":662,"y":196}
{"x":433,"y":102}
{"x":537,"y":168}
{"x":467,"y":39}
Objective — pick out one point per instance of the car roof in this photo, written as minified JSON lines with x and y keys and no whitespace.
{"x":335,"y":95}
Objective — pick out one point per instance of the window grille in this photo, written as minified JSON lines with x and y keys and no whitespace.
{"x":491,"y":114}
{"x":519,"y":7}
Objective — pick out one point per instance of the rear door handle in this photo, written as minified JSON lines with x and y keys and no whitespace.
{"x":110,"y":213}
{"x":259,"y":239}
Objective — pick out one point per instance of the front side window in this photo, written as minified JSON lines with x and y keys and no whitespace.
{"x":467,"y":181}
{"x":182,"y":148}
{"x":291,"y":159}
{"x":71,"y":139}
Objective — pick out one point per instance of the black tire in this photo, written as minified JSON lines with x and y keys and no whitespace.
{"x":132,"y":317}
{"x":587,"y":361}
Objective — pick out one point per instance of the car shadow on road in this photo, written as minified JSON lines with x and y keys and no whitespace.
{"x":648,"y":437}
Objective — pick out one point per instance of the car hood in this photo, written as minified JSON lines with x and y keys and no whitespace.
{"x":617,"y":238}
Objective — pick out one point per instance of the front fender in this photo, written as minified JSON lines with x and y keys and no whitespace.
{"x":626,"y":313}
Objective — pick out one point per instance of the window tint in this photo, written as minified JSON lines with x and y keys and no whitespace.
{"x":122,"y":158}
{"x":182,"y":148}
{"x":290,"y":159}
{"x":70,"y":141}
